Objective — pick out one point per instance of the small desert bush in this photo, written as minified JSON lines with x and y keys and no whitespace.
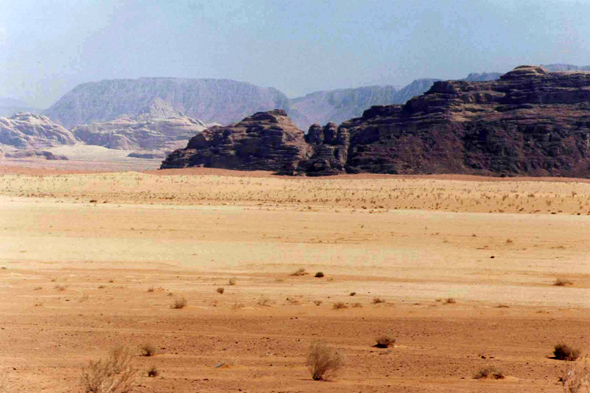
{"x":148,"y":350}
{"x":151,"y":289}
{"x":561,"y":282}
{"x":179,"y":303}
{"x":563,"y":351}
{"x":317,"y":302}
{"x":339,"y":306}
{"x":153,"y":372}
{"x":319,"y":275}
{"x":489,"y":372}
{"x":450,"y":300}
{"x":232,"y":281}
{"x":385,"y":342}
{"x":60,"y":288}
{"x":299,"y":272}
{"x":323,"y":362}
{"x":378,"y":300}
{"x":264,"y":301}
{"x":220,"y":290}
{"x":111,"y":375}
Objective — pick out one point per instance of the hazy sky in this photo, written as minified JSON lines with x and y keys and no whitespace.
{"x":298,"y":46}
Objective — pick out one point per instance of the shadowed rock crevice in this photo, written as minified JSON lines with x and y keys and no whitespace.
{"x":529,"y":122}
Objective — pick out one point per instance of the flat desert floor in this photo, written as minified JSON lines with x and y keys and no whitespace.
{"x":459,"y":270}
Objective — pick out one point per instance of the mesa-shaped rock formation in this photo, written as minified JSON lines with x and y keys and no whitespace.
{"x":529,"y":122}
{"x":31,"y":131}
{"x":143,"y":133}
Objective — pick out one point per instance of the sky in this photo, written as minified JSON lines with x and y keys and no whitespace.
{"x":47,"y":47}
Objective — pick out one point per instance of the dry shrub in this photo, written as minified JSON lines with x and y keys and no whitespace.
{"x":489,"y":372}
{"x":317,"y":302}
{"x":562,"y":282}
{"x":151,"y":289}
{"x":232,"y":281}
{"x":378,"y":300}
{"x":153,"y":372}
{"x":385,"y":342}
{"x":220,"y":290}
{"x":148,"y":350}
{"x":60,"y":288}
{"x":319,"y":275}
{"x":450,"y":301}
{"x":292,"y":301}
{"x":179,"y":303}
{"x":111,"y":375}
{"x":576,"y":377}
{"x":264,"y":301}
{"x":323,"y":362}
{"x":299,"y":272}
{"x":357,"y":305}
{"x":339,"y":306}
{"x":563,"y":351}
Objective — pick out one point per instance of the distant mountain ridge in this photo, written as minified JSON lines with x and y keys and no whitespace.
{"x":11,"y":106}
{"x":226,"y":101}
{"x":210,"y":100}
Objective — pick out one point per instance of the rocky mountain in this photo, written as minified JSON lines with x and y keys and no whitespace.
{"x":10,"y":106}
{"x":211,"y":100}
{"x":529,"y":122}
{"x":145,"y":132}
{"x":557,"y":67}
{"x":32,"y":131}
{"x":339,"y":105}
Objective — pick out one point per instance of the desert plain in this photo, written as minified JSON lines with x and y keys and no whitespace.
{"x":459,"y":270}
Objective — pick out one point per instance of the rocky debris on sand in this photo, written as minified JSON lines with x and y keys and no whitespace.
{"x":31,"y":131}
{"x":529,"y":122}
{"x":143,"y":132}
{"x":47,"y":155}
{"x":148,"y":154}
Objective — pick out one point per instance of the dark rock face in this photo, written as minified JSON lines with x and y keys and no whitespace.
{"x":263,"y":141}
{"x":529,"y":122}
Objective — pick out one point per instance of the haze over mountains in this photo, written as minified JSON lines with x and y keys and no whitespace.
{"x":130,"y":113}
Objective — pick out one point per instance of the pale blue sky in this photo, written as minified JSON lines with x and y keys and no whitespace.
{"x":298,"y":46}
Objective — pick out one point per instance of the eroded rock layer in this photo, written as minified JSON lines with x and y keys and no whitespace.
{"x":529,"y":122}
{"x":31,"y":131}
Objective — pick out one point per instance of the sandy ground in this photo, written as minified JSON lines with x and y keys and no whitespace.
{"x":92,"y":260}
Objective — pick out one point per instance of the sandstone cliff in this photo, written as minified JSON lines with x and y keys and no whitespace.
{"x":530,"y":122}
{"x":143,"y":133}
{"x":264,"y":141}
{"x":31,"y":131}
{"x":211,"y":100}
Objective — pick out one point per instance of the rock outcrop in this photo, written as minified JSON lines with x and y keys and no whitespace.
{"x":264,"y":141}
{"x":142,"y":133}
{"x":31,"y":131}
{"x":529,"y":122}
{"x":42,"y":154}
{"x":211,"y":100}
